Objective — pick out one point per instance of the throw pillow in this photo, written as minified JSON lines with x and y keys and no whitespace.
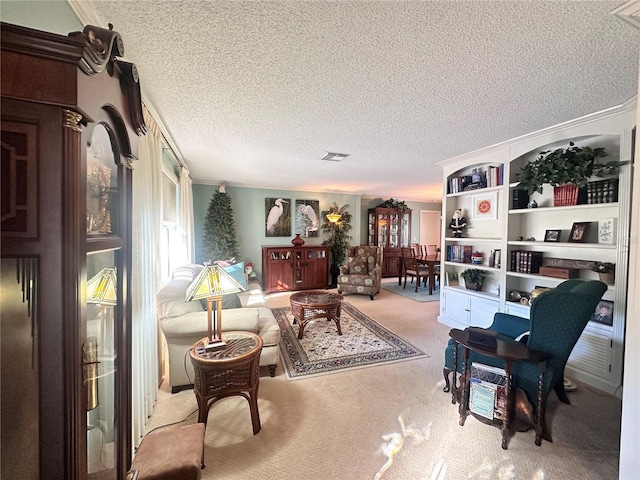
{"x":231,"y":301}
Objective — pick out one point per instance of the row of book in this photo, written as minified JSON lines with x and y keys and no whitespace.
{"x":495,"y":258}
{"x":602,"y":191}
{"x":492,"y":177}
{"x":523,"y":261}
{"x":487,"y":395}
{"x":459,"y":253}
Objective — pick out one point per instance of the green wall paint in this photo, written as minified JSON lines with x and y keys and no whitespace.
{"x":249,"y":210}
{"x":50,"y":16}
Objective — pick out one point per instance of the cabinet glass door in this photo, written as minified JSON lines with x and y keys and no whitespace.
{"x":372,"y":230}
{"x":405,"y":227}
{"x":99,"y":361}
{"x":383,"y":229}
{"x":394,"y":232}
{"x":103,"y":307}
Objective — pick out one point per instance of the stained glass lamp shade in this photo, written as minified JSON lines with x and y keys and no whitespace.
{"x":213,"y":282}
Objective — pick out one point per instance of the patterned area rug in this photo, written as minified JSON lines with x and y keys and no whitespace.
{"x":422,"y":295}
{"x":363,"y":343}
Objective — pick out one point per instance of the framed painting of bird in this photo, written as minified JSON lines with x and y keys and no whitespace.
{"x":306,"y":218}
{"x":277,"y":212}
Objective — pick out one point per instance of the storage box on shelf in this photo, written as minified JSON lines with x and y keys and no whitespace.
{"x":543,"y":233}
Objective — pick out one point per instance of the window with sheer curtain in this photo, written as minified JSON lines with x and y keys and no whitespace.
{"x":162,"y":224}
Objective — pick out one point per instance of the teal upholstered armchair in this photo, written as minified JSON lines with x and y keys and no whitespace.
{"x":556,"y":321}
{"x":363,"y":272}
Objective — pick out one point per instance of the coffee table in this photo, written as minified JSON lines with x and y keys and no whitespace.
{"x":235,"y":370}
{"x":312,"y":304}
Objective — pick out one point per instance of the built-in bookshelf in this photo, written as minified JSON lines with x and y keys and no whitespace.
{"x":524,"y":249}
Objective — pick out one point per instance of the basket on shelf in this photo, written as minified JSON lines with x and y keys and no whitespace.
{"x":477,"y":286}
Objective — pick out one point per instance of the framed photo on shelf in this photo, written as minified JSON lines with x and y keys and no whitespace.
{"x":605,"y":231}
{"x":485,"y":206}
{"x":603,"y":313}
{"x":552,"y":236}
{"x":579,"y":232}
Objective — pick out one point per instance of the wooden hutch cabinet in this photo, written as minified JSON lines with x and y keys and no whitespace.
{"x":71,"y":117}
{"x":390,"y":229}
{"x":295,"y":268}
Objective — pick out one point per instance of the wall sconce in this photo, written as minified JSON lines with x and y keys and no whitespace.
{"x":333,"y":217}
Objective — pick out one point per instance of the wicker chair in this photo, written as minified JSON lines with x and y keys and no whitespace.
{"x":363,"y":273}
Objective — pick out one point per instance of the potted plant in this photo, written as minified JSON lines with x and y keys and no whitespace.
{"x":606,"y":271}
{"x":339,"y":237}
{"x":473,"y":278}
{"x":566,"y":166}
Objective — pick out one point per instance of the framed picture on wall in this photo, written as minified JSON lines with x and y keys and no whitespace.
{"x":307,"y":218}
{"x":277,"y":214}
{"x":485,"y":206}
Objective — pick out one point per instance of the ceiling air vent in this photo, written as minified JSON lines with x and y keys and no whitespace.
{"x":334,"y":157}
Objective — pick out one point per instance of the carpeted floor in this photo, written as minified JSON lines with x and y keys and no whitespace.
{"x":363,"y":343}
{"x":422,"y":295}
{"x":347,"y":425}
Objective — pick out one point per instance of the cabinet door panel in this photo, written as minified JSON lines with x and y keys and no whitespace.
{"x":456,"y":307}
{"x":482,"y":311}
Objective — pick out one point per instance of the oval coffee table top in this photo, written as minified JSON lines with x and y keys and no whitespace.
{"x":315,"y":298}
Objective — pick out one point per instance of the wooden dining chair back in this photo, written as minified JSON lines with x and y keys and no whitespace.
{"x":412,"y":269}
{"x":431,"y":249}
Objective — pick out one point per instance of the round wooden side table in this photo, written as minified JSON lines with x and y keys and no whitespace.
{"x":309,"y":305}
{"x":235,"y":370}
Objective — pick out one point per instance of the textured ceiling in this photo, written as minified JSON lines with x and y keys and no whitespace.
{"x":254,"y":93}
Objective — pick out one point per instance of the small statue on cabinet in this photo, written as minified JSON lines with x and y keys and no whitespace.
{"x":458,"y":223}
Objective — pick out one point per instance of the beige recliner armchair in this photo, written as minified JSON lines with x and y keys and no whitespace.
{"x":363,"y":272}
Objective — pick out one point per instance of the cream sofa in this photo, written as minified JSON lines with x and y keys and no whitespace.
{"x":184,"y":323}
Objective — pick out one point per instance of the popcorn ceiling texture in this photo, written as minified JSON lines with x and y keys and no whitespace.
{"x":254,"y":93}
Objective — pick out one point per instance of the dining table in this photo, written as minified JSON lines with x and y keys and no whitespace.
{"x":429,"y":261}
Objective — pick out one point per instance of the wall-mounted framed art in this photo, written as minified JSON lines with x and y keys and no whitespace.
{"x":485,"y":206}
{"x":307,"y":216}
{"x":277,"y":214}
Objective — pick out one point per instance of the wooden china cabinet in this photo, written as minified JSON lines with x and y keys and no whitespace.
{"x":71,"y":117}
{"x":389,"y":228}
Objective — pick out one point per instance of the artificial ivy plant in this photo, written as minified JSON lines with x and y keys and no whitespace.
{"x":393,"y":203}
{"x":219,"y":230}
{"x":572,"y":165}
{"x":338,"y":236}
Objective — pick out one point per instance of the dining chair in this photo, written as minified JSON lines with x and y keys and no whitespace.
{"x":412,"y":268}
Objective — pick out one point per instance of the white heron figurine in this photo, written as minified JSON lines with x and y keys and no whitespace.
{"x":274,"y":214}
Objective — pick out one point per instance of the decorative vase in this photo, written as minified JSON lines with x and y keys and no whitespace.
{"x":608,"y":278}
{"x":297,"y":241}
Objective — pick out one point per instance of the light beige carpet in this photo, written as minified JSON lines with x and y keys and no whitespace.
{"x":344,"y":425}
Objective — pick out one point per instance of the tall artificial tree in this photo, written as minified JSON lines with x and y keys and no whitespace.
{"x":219,"y":230}
{"x":339,"y":238}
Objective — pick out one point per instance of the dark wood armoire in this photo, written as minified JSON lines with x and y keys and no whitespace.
{"x":71,"y":118}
